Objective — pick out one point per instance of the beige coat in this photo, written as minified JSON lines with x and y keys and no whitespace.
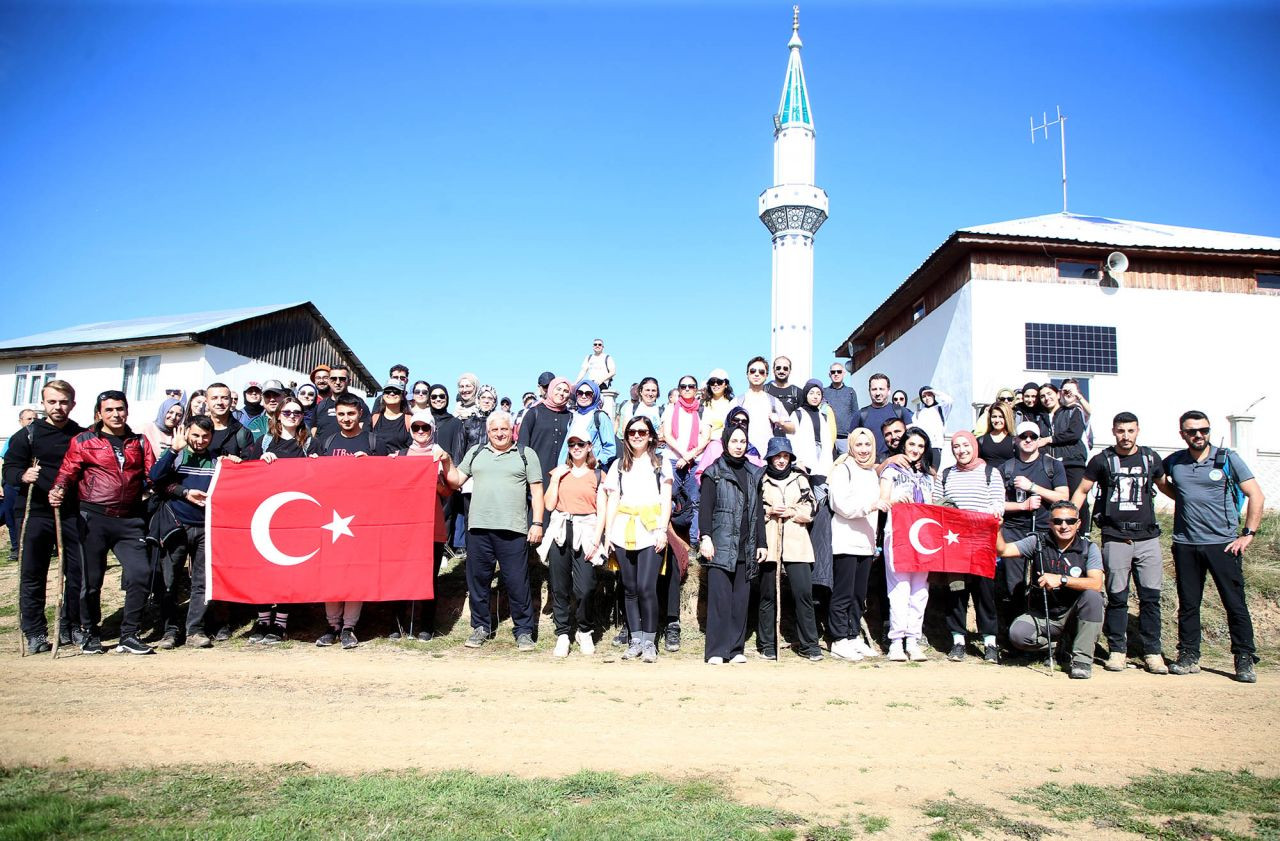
{"x":789,"y":535}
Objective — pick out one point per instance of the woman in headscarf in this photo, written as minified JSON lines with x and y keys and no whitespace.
{"x":448,"y":434}
{"x":593,"y":423}
{"x":908,"y":479}
{"x":815,"y":447}
{"x":168,"y":421}
{"x":856,"y":506}
{"x":787,"y":497}
{"x":971,"y":485}
{"x":468,"y":388}
{"x":732,"y":544}
{"x":475,"y":428}
{"x":737,"y":416}
{"x":545,"y":428}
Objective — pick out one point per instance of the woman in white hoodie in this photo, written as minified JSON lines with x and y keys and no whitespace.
{"x":855,"y":506}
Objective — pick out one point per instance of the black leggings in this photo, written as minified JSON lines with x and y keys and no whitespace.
{"x":850,"y":574}
{"x":639,"y":568}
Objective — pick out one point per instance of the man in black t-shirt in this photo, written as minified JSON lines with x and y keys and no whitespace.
{"x":1032,"y":483}
{"x":1126,"y":475}
{"x":781,"y":387}
{"x":326,"y":414}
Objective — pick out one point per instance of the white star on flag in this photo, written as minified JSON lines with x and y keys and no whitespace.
{"x":952,"y":537}
{"x":340,"y":526}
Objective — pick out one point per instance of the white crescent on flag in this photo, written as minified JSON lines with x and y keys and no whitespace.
{"x":915,"y":536}
{"x":260,"y":528}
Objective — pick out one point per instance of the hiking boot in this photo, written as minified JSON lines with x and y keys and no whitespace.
{"x":1244,"y":668}
{"x":916,"y":653}
{"x":275,"y":635}
{"x":168,"y":642}
{"x":897,"y":653}
{"x":956,"y":654}
{"x":224,"y":634}
{"x":634,"y":649}
{"x":1185,"y":665}
{"x":348,"y":638}
{"x":426,"y":636}
{"x":66,"y":637}
{"x":1155,"y":664}
{"x":585,"y":643}
{"x":992,"y":655}
{"x":1117,"y":661}
{"x":92,"y":644}
{"x":38,"y":644}
{"x":133,"y":645}
{"x":1081,"y":671}
{"x":649,"y":653}
{"x":199,"y":640}
{"x":524,"y":642}
{"x":328,"y":638}
{"x":562,"y":646}
{"x":671,"y":639}
{"x":479,"y":636}
{"x":622,"y":639}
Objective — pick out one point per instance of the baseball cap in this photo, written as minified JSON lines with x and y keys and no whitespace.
{"x":1028,"y":426}
{"x":545,"y":378}
{"x":422,"y":416}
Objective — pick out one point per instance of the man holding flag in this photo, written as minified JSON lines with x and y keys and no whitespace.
{"x":1066,"y":588}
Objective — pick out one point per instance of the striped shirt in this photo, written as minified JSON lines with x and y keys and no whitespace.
{"x":980,"y":489}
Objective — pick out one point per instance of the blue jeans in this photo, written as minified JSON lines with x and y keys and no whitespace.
{"x":687,"y":479}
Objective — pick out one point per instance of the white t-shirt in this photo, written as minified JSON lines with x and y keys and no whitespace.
{"x":639,"y":487}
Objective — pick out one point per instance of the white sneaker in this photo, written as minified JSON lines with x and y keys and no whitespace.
{"x":715,"y":661}
{"x":914,"y":652}
{"x":844,"y":650}
{"x":562,"y":646}
{"x":896,"y":652}
{"x":585,"y":644}
{"x":739,"y":659}
{"x":864,"y":649}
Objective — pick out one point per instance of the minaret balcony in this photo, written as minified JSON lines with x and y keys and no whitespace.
{"x":793,"y":207}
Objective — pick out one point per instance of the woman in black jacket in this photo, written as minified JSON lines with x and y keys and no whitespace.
{"x":1062,"y":430}
{"x":731,"y":521}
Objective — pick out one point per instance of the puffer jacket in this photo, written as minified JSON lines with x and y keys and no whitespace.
{"x":789,"y":539}
{"x":100,"y":480}
{"x":726,"y":519}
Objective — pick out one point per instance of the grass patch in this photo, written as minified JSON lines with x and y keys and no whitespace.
{"x":837,"y":702}
{"x":1169,"y":806}
{"x":244,"y":803}
{"x":959,"y":819}
{"x":957,"y":701}
{"x":871,"y":824}
{"x":901,"y":705}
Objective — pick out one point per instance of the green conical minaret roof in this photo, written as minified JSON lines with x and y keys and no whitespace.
{"x":793,"y":109}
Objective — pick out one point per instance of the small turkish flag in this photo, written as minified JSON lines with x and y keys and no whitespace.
{"x":935,"y":538}
{"x":320,"y":530}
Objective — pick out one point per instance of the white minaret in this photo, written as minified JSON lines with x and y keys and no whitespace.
{"x":793,"y":209}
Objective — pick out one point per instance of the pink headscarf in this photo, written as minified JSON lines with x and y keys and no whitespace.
{"x":966,"y":435}
{"x":551,"y":387}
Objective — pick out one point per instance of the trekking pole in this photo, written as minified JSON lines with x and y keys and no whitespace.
{"x":57,"y":611}
{"x":22,"y":539}
{"x":1048,"y":625}
{"x":777,"y":596}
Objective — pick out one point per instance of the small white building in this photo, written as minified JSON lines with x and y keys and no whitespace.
{"x":1190,"y":324}
{"x":144,"y":356}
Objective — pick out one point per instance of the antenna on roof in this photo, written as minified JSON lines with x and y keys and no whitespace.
{"x":1061,"y":123}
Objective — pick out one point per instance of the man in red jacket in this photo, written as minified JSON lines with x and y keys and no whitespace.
{"x":108,"y":464}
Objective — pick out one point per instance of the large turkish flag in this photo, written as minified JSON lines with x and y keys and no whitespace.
{"x":320,"y":530}
{"x":935,"y":538}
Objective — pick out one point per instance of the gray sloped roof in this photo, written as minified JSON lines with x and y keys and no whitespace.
{"x":1102,"y":230}
{"x":142,"y":328}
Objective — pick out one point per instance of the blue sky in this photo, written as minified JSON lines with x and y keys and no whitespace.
{"x":487,"y":186}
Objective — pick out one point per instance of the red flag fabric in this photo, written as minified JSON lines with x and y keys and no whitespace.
{"x":935,"y":538}
{"x":320,"y":530}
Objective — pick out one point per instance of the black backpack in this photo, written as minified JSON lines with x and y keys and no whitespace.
{"x":1112,"y":459}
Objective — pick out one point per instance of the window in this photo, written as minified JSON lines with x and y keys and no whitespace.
{"x":30,"y":379}
{"x":918,"y":311}
{"x":1081,"y":382}
{"x":1269,"y":280}
{"x":880,"y":342}
{"x":139,"y":376}
{"x":1077,"y":268}
{"x":1071,"y":348}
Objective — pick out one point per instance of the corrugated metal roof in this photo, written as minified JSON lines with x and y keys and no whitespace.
{"x":143,"y":328}
{"x":1122,"y":232}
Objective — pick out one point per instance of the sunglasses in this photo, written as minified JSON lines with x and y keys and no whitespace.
{"x":836,"y":371}
{"x":781,"y":368}
{"x":757,"y":370}
{"x":1200,"y":430}
{"x":1005,"y":398}
{"x":419,"y":427}
{"x":1065,"y":521}
{"x":586,"y":392}
{"x":688,"y":385}
{"x":436,"y":396}
{"x":332,"y":378}
{"x":290,"y":413}
{"x":716,"y":381}
{"x":597,"y":344}
{"x":421,"y":391}
{"x":637,"y":433}
{"x":390,"y":392}
{"x":573,"y":444}
{"x":174,"y":391}
{"x":1027,"y":436}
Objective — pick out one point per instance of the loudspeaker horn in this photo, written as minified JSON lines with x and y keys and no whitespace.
{"x":1117,"y":263}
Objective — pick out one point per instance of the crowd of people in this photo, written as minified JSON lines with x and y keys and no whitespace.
{"x":778,"y":485}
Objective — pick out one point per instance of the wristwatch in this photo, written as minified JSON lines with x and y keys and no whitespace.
{"x":1063,"y":581}
{"x":1247,"y":532}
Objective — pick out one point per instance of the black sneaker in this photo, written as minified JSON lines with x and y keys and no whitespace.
{"x":395,"y":635}
{"x":77,"y":636}
{"x":992,"y":655}
{"x":224,"y":634}
{"x":275,"y":635}
{"x":65,"y":636}
{"x":623,"y":639}
{"x":1081,"y":671}
{"x":426,"y":636}
{"x":349,"y":640}
{"x":328,"y":638}
{"x":767,"y":654}
{"x":479,"y":636}
{"x":956,"y":654}
{"x":38,"y":644}
{"x":1244,"y":668}
{"x":1185,"y":665}
{"x":133,"y":645}
{"x":671,"y":639}
{"x":259,"y":633}
{"x":814,"y":656}
{"x":91,"y":644}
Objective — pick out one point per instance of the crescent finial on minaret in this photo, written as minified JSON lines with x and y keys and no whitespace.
{"x":795,"y":28}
